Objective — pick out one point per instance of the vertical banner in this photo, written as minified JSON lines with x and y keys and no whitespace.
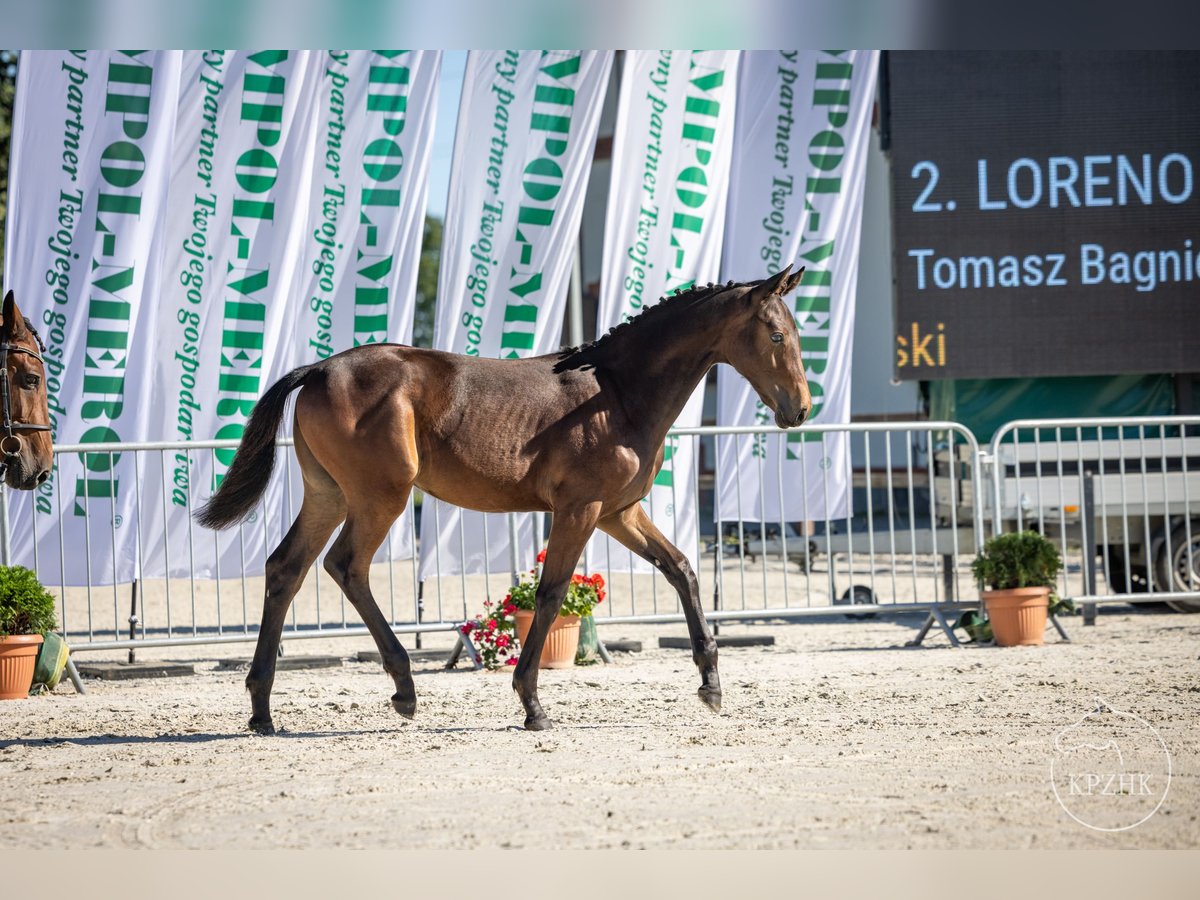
{"x":366,"y":211}
{"x":800,"y":157}
{"x":236,"y":248}
{"x":91,"y":160}
{"x":672,"y":150}
{"x":527,"y":127}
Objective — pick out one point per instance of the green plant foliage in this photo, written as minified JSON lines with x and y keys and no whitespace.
{"x":427,"y":282}
{"x":584,"y":592}
{"x":25,"y":606}
{"x":8,"y":93}
{"x":1060,"y":606}
{"x":1017,"y":560}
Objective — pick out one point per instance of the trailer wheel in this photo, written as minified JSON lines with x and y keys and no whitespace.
{"x":1124,"y":578}
{"x":854,"y":596}
{"x":1181,"y":572}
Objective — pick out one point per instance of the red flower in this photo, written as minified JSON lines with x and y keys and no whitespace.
{"x":491,"y":625}
{"x":509,"y":609}
{"x":576,"y":579}
{"x":511,"y":661}
{"x":502,"y":640}
{"x":598,"y":581}
{"x":600,"y":596}
{"x":466,"y":629}
{"x":541,"y":557}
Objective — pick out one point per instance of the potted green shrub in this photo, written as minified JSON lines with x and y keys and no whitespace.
{"x":1020,"y":569}
{"x":26,"y":613}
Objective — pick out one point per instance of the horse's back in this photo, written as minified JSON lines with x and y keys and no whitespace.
{"x":469,"y":429}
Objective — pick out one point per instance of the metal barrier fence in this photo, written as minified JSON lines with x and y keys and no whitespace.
{"x":748,"y":572}
{"x":1121,"y":497}
{"x":923,"y":496}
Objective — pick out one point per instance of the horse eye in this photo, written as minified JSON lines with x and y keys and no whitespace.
{"x":32,"y":381}
{"x":777,"y":337}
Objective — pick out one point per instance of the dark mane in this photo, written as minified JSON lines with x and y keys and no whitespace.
{"x":591,"y":353}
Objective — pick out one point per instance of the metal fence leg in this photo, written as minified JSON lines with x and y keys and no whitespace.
{"x":73,"y":674}
{"x":1087,"y":534}
{"x":945,"y":626}
{"x":935,"y":615}
{"x":603,"y":651}
{"x":459,"y":646}
{"x":1058,"y":626}
{"x":925,"y":626}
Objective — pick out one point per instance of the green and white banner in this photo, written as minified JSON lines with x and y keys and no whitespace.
{"x":672,"y":150}
{"x":527,"y":127}
{"x":366,"y":211}
{"x":253,"y":211}
{"x":796,"y":197}
{"x":90,"y":168}
{"x":242,"y":170}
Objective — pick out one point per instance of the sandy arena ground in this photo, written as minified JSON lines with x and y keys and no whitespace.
{"x":835,"y":737}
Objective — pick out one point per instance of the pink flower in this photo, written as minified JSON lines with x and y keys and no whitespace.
{"x":511,"y":661}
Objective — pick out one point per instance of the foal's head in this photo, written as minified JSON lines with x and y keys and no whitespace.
{"x":26,"y":449}
{"x":763,"y":343}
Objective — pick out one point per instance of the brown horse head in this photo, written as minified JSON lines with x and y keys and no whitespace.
{"x":763,"y":343}
{"x":25,"y":440}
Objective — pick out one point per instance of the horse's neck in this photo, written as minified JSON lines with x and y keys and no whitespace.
{"x":658,"y":370}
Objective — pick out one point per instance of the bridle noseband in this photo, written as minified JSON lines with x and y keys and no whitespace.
{"x":10,"y":443}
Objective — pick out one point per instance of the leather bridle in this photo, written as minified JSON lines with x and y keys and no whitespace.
{"x":10,"y":442}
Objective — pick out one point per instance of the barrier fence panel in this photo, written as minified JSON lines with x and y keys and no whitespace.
{"x":783,"y":546}
{"x":1119,"y":496}
{"x":198,"y":587}
{"x":777,"y":538}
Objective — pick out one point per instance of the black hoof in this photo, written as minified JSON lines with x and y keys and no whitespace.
{"x":406,"y":706}
{"x":538,"y":723}
{"x":710,"y":698}
{"x":264,"y":726}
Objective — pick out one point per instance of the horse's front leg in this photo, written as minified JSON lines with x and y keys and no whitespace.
{"x":634,"y":528}
{"x":569,"y":533}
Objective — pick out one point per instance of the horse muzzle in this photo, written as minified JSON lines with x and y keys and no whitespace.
{"x":787,"y":418}
{"x":13,"y":468}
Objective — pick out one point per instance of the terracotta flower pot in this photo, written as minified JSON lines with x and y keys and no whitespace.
{"x":1018,"y":616}
{"x":18,"y":655}
{"x":561,"y":643}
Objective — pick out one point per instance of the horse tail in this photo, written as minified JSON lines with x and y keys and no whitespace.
{"x":254,"y":461}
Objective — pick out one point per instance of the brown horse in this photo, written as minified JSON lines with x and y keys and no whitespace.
{"x":25,"y":440}
{"x":578,"y":434}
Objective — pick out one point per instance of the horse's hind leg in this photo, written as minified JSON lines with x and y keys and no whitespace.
{"x":349,"y":562}
{"x":285,"y":571}
{"x":634,"y":528}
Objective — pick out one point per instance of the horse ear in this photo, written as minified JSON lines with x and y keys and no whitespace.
{"x":768,"y":287}
{"x":11,"y":320}
{"x":9,"y":313}
{"x":792,"y":283}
